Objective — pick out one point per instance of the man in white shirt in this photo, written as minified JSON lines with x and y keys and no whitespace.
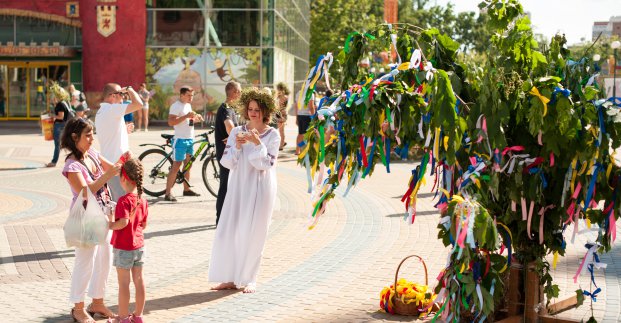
{"x":182,"y":118}
{"x":111,"y":128}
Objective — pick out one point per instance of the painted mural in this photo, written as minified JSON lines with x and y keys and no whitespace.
{"x":168,"y":69}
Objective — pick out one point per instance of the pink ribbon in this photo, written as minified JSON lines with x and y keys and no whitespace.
{"x":513,"y":206}
{"x":530,"y":216}
{"x":512,"y":149}
{"x":612,"y":226}
{"x":551,"y":159}
{"x":539,"y":140}
{"x":576,"y":191}
{"x":542,"y":212}
{"x":570,"y":212}
{"x":524,"y":214}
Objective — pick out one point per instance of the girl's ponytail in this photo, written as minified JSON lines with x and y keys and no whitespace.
{"x":133,"y":169}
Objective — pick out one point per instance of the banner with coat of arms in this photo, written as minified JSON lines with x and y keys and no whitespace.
{"x":106,"y":20}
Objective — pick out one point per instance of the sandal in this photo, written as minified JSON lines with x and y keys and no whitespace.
{"x":107,"y":315}
{"x":87,"y":319}
{"x":117,"y":320}
{"x":136,"y":319}
{"x":50,"y":165}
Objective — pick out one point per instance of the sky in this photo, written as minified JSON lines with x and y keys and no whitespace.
{"x":573,"y":17}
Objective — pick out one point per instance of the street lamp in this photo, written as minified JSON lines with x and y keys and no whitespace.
{"x":615,"y":45}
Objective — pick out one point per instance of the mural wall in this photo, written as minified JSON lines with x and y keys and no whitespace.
{"x":207,"y":71}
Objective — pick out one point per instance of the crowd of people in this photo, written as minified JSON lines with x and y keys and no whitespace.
{"x":247,"y":153}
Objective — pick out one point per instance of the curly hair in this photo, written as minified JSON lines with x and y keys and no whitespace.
{"x":134,"y":170}
{"x":74,"y":129}
{"x":282,"y":88}
{"x":264,"y":99}
{"x":59,"y":92}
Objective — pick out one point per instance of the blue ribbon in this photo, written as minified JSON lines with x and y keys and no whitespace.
{"x":592,"y":295}
{"x":564,"y":92}
{"x":591,"y":186}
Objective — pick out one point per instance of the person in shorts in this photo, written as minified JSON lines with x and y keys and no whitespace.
{"x":303,"y":119}
{"x":128,"y":223}
{"x":182,"y":118}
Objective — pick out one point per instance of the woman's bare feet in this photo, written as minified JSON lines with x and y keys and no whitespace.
{"x":250,"y":288}
{"x":98,"y":308}
{"x":79,"y":315}
{"x":224,"y":286}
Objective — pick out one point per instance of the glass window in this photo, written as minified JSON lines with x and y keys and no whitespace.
{"x":7,"y":29}
{"x":170,"y":4}
{"x":268,"y":28}
{"x":39,"y":31}
{"x":175,"y":28}
{"x":233,"y":4}
{"x":235,"y":28}
{"x":267,"y":66}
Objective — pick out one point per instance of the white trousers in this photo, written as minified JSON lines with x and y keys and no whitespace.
{"x":91,"y":269}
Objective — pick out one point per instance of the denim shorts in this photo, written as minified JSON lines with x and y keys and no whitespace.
{"x":181,"y":148}
{"x":127,"y":259}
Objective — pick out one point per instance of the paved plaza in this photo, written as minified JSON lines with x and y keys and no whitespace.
{"x":333,"y":273}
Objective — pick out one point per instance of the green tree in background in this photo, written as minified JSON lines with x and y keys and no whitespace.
{"x":467,"y":28}
{"x":333,"y":20}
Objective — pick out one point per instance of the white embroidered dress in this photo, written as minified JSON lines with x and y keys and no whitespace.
{"x":247,"y":210}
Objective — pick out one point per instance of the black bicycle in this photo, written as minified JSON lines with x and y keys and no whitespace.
{"x":157,"y":163}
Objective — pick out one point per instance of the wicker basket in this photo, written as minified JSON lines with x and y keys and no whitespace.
{"x":398,"y":305}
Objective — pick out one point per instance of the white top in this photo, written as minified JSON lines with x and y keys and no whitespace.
{"x":247,"y":210}
{"x":183,"y":130}
{"x":304,"y":110}
{"x":111,"y":130}
{"x":75,"y":97}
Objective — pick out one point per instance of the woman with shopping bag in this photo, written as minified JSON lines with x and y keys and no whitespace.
{"x":87,"y":173}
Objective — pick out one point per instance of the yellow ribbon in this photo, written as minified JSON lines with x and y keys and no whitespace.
{"x":555,"y":260}
{"x":534,"y":91}
{"x":573,"y":175}
{"x":304,"y":151}
{"x":404,"y":66}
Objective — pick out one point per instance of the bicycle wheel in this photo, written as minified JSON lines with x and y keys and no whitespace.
{"x":211,"y":175}
{"x":156,"y":164}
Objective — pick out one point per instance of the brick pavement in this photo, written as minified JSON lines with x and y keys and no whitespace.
{"x":332,"y":273}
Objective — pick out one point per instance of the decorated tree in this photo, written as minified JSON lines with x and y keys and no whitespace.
{"x":519,"y":149}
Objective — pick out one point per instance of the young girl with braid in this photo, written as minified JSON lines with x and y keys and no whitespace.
{"x":130,"y":220}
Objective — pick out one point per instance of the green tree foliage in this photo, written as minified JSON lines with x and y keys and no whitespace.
{"x":333,"y":20}
{"x":467,"y":28}
{"x":519,"y":146}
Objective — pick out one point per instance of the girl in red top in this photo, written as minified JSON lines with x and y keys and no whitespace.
{"x":130,"y":220}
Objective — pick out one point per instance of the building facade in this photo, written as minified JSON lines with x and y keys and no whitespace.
{"x":607,"y":28}
{"x":165,"y":43}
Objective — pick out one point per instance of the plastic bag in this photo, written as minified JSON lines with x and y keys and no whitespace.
{"x":86,"y":227}
{"x":73,"y":224}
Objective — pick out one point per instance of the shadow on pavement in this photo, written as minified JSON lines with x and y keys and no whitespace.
{"x":419,"y":195}
{"x":380,"y":315}
{"x":20,"y":168}
{"x":150,"y":235}
{"x":38,"y":256}
{"x":421,"y":213}
{"x":185,"y":300}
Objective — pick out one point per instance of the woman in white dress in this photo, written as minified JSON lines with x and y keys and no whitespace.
{"x":250,"y":153}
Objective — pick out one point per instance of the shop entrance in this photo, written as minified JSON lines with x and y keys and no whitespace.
{"x":24,"y":88}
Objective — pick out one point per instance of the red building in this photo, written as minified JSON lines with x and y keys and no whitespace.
{"x":87,"y":42}
{"x":165,"y":43}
